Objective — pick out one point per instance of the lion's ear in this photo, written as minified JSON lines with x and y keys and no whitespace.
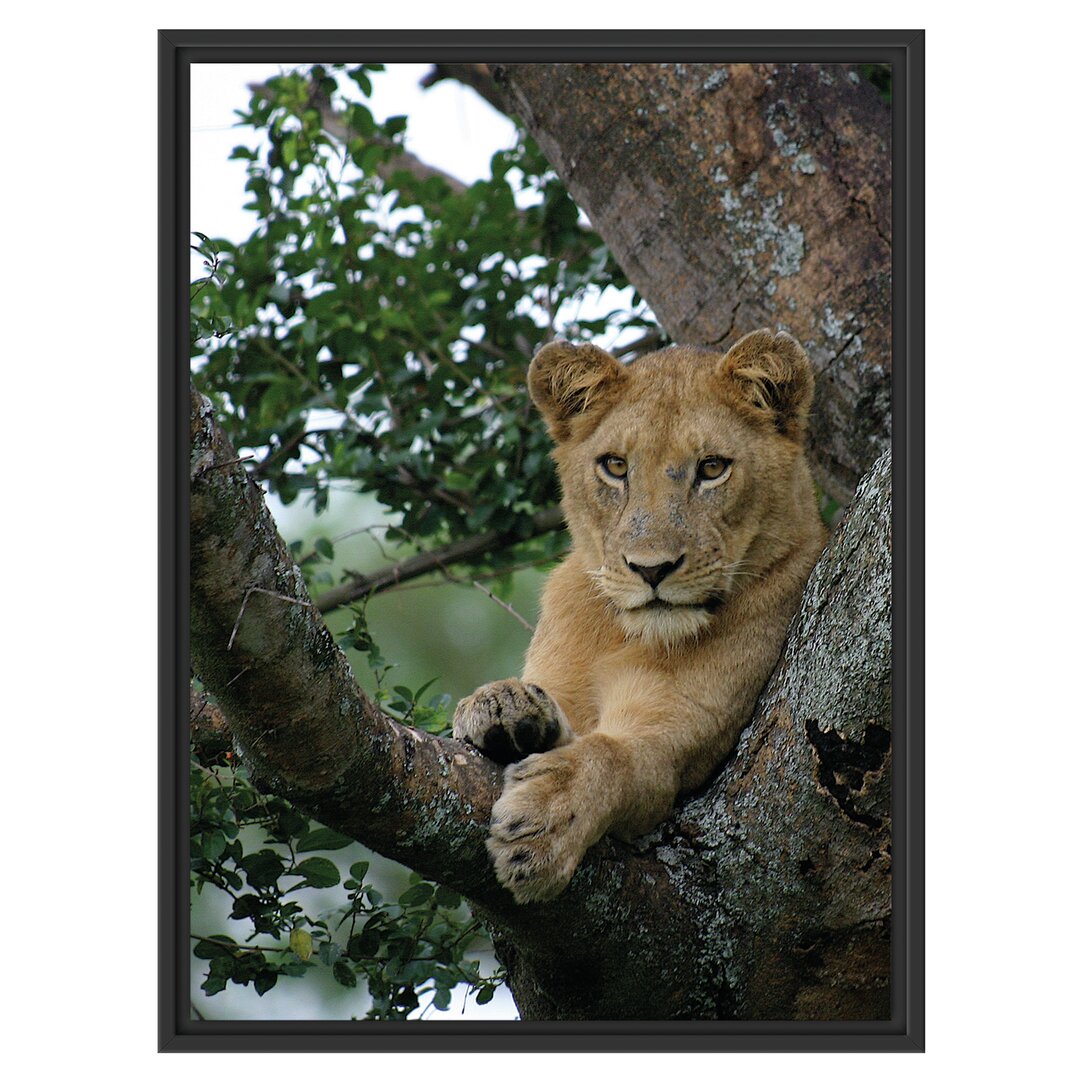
{"x":771,"y":373}
{"x":567,"y":381}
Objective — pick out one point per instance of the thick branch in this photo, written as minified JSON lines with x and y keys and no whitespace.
{"x":796,"y":836}
{"x":309,"y":733}
{"x":299,"y":720}
{"x":738,"y":196}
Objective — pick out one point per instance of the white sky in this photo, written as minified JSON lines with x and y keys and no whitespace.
{"x":449,"y":126}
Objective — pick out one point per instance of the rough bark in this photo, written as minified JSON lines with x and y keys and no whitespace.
{"x":775,"y":880}
{"x":766,"y":895}
{"x":739,"y":196}
{"x":297,"y":716}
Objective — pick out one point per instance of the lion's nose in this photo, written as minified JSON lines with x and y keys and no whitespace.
{"x":658,"y":571}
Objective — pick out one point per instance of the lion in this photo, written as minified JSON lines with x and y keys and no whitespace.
{"x":694,"y":526}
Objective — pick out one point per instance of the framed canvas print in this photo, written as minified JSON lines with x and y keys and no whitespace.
{"x":542,"y":540}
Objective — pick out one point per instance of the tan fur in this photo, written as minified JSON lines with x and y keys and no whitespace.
{"x":628,"y":705}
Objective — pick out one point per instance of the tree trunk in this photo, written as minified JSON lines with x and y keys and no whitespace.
{"x":767,"y":894}
{"x":740,"y":196}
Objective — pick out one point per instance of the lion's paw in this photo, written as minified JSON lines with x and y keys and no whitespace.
{"x":538,"y":835}
{"x":508,"y":720}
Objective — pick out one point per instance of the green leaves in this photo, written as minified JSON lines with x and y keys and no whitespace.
{"x":344,"y":974}
{"x":239,"y":966}
{"x":413,"y":329}
{"x":263,"y":868}
{"x":322,"y":839}
{"x":317,"y":873}
{"x":417,"y":895}
{"x":408,"y":952}
{"x":218,"y":945}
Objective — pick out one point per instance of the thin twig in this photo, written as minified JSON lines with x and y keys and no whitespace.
{"x":406,"y":479}
{"x":203,"y":469}
{"x":426,"y":562}
{"x":503,"y":604}
{"x":487,"y":592}
{"x":489,"y":575}
{"x":242,"y":671}
{"x":244,"y":948}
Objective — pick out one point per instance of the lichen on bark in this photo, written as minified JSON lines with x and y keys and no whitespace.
{"x":740,"y":196}
{"x":792,"y":844}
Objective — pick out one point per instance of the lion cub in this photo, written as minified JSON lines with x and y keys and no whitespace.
{"x":694,"y":527}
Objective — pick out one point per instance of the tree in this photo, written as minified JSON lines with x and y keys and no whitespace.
{"x":767,"y":895}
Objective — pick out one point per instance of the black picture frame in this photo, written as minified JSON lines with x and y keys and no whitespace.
{"x":904,"y":49}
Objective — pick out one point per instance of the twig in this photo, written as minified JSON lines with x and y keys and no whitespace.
{"x":490,"y":575}
{"x":244,"y":948}
{"x":487,"y":592}
{"x":202,"y":285}
{"x":547,"y":520}
{"x":283,"y":451}
{"x":204,"y":469}
{"x":406,"y":479}
{"x":242,"y":671}
{"x":502,"y":603}
{"x":646,"y":341}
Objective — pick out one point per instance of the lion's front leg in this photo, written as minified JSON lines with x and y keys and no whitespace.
{"x":553,"y":808}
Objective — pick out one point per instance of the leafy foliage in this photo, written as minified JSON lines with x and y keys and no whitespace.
{"x":256,"y":849}
{"x":373,"y":333}
{"x":379,"y":330}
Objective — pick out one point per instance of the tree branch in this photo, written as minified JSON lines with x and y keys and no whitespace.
{"x":547,"y":520}
{"x":298,"y":718}
{"x":476,"y":76}
{"x":334,"y":124}
{"x":309,"y":733}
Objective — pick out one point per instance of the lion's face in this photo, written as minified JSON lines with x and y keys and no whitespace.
{"x":677,"y":471}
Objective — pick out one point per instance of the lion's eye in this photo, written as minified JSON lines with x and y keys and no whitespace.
{"x":613,"y":465}
{"x":713,"y":468}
